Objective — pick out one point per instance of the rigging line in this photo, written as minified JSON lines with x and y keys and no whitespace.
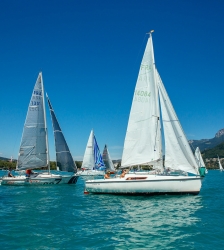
{"x":157,"y":123}
{"x":142,"y":46}
{"x":191,"y":145}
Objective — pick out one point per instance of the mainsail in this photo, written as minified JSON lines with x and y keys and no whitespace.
{"x":199,"y":158}
{"x":88,"y":159}
{"x":142,"y":143}
{"x":33,"y":152}
{"x":107,"y":160}
{"x":64,"y":158}
{"x":178,"y":154}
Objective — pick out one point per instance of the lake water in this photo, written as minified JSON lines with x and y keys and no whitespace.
{"x":63,"y":217}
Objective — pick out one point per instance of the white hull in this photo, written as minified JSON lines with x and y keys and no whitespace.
{"x":17,"y":180}
{"x":91,"y":173}
{"x":135,"y":184}
{"x":40,"y":179}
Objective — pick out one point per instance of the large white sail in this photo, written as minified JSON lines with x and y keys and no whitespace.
{"x":178,"y":154}
{"x":142,"y":143}
{"x":107,"y":159}
{"x":88,"y":159}
{"x":199,"y":158}
{"x":33,"y":149}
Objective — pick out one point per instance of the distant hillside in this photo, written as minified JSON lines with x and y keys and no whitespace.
{"x":205,"y":144}
{"x":213,"y":152}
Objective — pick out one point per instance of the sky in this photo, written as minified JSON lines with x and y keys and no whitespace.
{"x":89,"y":53}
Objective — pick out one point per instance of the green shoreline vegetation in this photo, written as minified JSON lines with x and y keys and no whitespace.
{"x":210,"y":157}
{"x":7,"y":164}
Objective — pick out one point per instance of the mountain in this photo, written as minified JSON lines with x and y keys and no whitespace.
{"x":213,"y":152}
{"x":205,"y":144}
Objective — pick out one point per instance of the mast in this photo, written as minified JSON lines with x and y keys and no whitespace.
{"x":45,"y":125}
{"x":158,"y":135}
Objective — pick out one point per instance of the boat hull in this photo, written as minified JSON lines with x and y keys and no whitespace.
{"x":91,"y":173}
{"x":40,"y":179}
{"x":146,"y":185}
{"x":17,"y":180}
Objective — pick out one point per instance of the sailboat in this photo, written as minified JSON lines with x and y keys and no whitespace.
{"x":220,"y":165}
{"x":92,"y":161}
{"x":34,"y":152}
{"x":107,"y":160}
{"x":201,"y":165}
{"x":151,"y":106}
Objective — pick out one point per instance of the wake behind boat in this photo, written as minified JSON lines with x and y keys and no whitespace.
{"x":143,"y":142}
{"x":34,"y":152}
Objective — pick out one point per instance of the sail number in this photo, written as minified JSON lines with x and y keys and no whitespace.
{"x":146,"y":67}
{"x":141,"y":96}
{"x":142,"y":93}
{"x":37,"y":92}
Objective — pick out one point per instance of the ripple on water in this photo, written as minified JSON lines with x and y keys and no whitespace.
{"x":62,"y":217}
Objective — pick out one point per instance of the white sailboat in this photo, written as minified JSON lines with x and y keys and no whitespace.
{"x":201,"y":165}
{"x":34,"y":152}
{"x":220,"y":165}
{"x":92,"y":161}
{"x":143,"y":142}
{"x":107,"y":160}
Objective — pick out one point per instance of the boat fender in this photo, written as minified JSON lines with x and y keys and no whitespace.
{"x":86,"y":192}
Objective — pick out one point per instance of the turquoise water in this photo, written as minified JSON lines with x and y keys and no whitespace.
{"x":63,"y":217}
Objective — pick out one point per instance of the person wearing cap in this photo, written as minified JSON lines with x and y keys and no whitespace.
{"x":107,"y":175}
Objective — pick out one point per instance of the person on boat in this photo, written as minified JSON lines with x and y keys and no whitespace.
{"x":123,"y":173}
{"x":29,"y":172}
{"x":107,"y":175}
{"x":10,"y":173}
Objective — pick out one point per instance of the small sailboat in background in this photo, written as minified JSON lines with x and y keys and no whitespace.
{"x":220,"y":165}
{"x":92,"y":161}
{"x":34,"y":151}
{"x":107,"y":160}
{"x":143,"y":143}
{"x":201,"y":165}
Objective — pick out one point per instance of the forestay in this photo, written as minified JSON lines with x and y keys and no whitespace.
{"x":143,"y":137}
{"x":64,"y":158}
{"x":33,"y":148}
{"x":178,"y":154}
{"x":107,"y":160}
